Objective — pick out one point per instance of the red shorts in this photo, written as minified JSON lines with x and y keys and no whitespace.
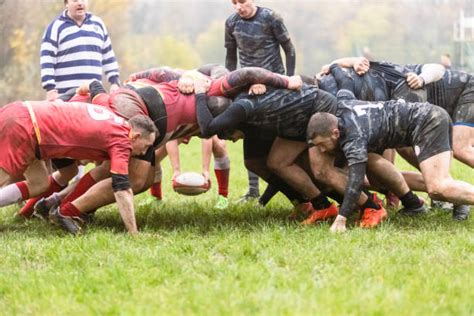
{"x":18,"y":140}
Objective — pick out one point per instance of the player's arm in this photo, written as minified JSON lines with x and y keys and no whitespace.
{"x":351,"y":195}
{"x":213,"y":71}
{"x":429,"y":73}
{"x":290,"y":55}
{"x":124,"y":197}
{"x":282,"y":35}
{"x":172,"y":148}
{"x":345,"y":84}
{"x":158,"y":75}
{"x":231,"y":47}
{"x":235,"y":81}
{"x":49,"y":49}
{"x":360,"y":64}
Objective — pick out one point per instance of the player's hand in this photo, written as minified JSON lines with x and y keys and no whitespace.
{"x":414,"y":81}
{"x":257,"y":89}
{"x":52,"y":95}
{"x":175,"y":174}
{"x":339,"y":225}
{"x":201,"y":85}
{"x":186,"y":85}
{"x":361,"y":65}
{"x":325,"y":69}
{"x":295,"y":82}
{"x":114,"y":87}
{"x":83,"y":89}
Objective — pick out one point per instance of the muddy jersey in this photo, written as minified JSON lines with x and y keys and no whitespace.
{"x":375,"y":126}
{"x":82,"y":131}
{"x":447,"y":91}
{"x":283,"y":112}
{"x":258,"y":39}
{"x":369,"y":87}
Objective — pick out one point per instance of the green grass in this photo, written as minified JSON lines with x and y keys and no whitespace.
{"x":191,"y":259}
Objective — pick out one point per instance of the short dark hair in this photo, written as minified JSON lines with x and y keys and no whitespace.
{"x":218,"y":105}
{"x":144,"y":124}
{"x":321,"y":124}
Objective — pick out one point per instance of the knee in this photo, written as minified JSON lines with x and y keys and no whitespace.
{"x":436,"y":190}
{"x":275,"y":165}
{"x":37,"y":185}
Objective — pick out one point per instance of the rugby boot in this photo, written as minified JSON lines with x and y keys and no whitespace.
{"x":414,"y":211}
{"x":222,"y":203}
{"x":321,"y":215}
{"x":71,"y":224}
{"x":461,"y":212}
{"x":300,"y":209}
{"x":372,"y":217}
{"x":41,"y":210}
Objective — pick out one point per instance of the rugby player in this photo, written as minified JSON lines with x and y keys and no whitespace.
{"x":363,"y":130}
{"x":35,"y":131}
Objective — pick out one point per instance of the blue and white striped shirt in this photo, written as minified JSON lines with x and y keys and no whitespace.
{"x":72,"y":54}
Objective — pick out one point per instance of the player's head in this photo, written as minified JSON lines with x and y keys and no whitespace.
{"x":245,"y":8}
{"x":323,"y":132}
{"x":232,"y":135}
{"x":217,"y":105}
{"x":143,"y":134}
{"x":76,"y":9}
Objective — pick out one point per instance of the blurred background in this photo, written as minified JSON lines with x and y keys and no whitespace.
{"x":188,"y":33}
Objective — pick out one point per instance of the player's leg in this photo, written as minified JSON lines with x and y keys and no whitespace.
{"x":391,"y":178}
{"x":391,"y":198}
{"x":463,"y":143}
{"x":221,"y":170}
{"x":441,"y":185}
{"x":282,"y":161}
{"x":36,"y":182}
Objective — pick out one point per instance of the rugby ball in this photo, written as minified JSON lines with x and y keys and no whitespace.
{"x":190,"y":183}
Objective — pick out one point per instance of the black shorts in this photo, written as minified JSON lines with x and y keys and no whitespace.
{"x":257,"y":146}
{"x":434,"y":135}
{"x":148,"y":156}
{"x":464,"y":112}
{"x":62,"y":163}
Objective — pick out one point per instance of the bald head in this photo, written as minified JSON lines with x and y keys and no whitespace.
{"x":321,"y":124}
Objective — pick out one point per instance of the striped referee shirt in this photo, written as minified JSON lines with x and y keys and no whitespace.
{"x":72,"y":54}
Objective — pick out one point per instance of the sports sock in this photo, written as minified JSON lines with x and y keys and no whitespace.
{"x":320,"y":202}
{"x":222,"y":171}
{"x":28,"y":209}
{"x":253,"y":184}
{"x":82,"y":186}
{"x":410,"y":200}
{"x":13,"y":193}
{"x":155,"y":190}
{"x":370,"y":204}
{"x":68,"y":209}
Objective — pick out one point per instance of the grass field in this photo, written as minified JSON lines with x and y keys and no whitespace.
{"x":192,"y":259}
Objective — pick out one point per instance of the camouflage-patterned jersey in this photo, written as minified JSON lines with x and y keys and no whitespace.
{"x":369,"y":87}
{"x":375,"y":126}
{"x":285,"y":113}
{"x":447,"y":91}
{"x":258,"y":39}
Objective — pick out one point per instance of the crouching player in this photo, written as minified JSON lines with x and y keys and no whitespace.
{"x":35,"y":131}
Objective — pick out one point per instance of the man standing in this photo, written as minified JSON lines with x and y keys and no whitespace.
{"x":257,"y":33}
{"x":76,"y":48}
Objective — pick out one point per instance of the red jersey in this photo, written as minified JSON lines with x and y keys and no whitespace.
{"x":82,"y":131}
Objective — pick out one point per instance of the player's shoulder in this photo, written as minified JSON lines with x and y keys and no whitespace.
{"x":232,"y":19}
{"x":269,"y":14}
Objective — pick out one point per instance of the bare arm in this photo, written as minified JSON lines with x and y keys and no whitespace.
{"x":124,"y":200}
{"x":360,"y":64}
{"x":172,"y":147}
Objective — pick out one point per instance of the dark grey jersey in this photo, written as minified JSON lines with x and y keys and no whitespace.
{"x":285,"y":113}
{"x":258,"y":39}
{"x":375,"y":126}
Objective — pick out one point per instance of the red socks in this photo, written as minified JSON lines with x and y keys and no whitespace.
{"x":25,"y":194}
{"x":155,"y":190}
{"x":68,"y":209}
{"x":82,"y":186}
{"x":222,"y":177}
{"x":27,"y":210}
